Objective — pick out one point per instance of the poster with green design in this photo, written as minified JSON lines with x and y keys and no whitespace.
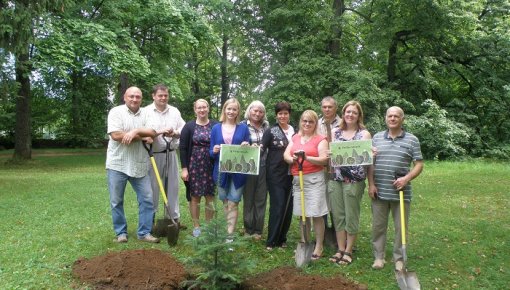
{"x":350,"y":153}
{"x":240,"y":159}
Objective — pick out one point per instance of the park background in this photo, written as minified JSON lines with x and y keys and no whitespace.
{"x":65,"y":63}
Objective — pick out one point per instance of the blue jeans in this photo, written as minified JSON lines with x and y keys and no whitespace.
{"x":230,"y":193}
{"x":142,"y":186}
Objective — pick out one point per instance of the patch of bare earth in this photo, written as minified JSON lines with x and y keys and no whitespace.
{"x":287,"y":278}
{"x":154,"y":269}
{"x":134,"y":269}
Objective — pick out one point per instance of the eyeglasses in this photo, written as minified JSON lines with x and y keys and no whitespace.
{"x":308,"y":121}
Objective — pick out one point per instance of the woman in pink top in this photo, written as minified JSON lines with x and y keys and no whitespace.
{"x":315,"y":147}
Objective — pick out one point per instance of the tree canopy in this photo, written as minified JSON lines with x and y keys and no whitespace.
{"x":446,"y":63}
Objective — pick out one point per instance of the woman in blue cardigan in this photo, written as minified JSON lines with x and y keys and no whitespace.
{"x":230,"y":185}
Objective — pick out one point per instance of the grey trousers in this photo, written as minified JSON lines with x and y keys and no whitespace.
{"x":172,"y":190}
{"x":380,"y":213}
{"x":254,"y":202}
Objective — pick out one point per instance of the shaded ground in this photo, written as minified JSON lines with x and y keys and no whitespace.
{"x":154,"y":269}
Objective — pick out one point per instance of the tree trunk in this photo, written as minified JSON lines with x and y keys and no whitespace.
{"x":195,"y":83}
{"x":224,"y":71}
{"x":392,"y":60}
{"x":334,"y":46}
{"x":400,"y":36}
{"x":23,"y":135}
{"x":123,"y":86}
{"x":75,"y":104}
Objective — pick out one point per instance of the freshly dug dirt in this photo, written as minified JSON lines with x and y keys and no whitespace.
{"x":154,"y":269}
{"x":134,"y":269}
{"x":289,"y":278}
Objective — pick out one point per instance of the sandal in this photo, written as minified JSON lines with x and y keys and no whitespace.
{"x":335,"y":258}
{"x":316,"y":257}
{"x":344,"y":261}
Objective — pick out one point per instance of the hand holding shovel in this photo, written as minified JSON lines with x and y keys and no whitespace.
{"x":305,"y":247}
{"x":167,"y":225}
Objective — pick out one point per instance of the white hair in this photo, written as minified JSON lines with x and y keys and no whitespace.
{"x":253,"y":104}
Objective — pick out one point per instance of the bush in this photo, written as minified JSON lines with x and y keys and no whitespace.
{"x":440,"y":137}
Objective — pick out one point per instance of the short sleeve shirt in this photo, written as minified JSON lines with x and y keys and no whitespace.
{"x":169,"y":118}
{"x":129,"y":159}
{"x":394,"y":155}
{"x":334,"y":125}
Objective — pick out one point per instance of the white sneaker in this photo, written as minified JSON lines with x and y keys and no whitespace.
{"x":149,"y":239}
{"x":196,"y":232}
{"x":378,"y":264}
{"x":122,"y":238}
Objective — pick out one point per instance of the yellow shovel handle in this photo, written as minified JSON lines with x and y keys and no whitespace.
{"x":301,"y":186}
{"x":161,"y":187}
{"x":402,"y":217}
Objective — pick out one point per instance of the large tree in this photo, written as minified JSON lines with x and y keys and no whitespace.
{"x":19,"y":18}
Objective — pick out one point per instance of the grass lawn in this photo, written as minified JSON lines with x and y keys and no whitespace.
{"x":55,"y":209}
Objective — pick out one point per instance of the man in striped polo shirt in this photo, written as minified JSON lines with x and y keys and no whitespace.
{"x":396,"y":151}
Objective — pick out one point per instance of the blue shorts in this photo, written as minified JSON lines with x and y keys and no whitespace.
{"x":230,"y":193}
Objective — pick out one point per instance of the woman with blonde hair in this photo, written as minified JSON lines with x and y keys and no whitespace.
{"x":346,"y":188}
{"x":230,"y":185}
{"x":313,"y":147}
{"x":196,"y":163}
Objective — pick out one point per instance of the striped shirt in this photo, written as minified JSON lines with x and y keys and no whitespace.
{"x":394,"y":155}
{"x":129,"y":159}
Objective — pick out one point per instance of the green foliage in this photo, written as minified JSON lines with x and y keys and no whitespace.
{"x":8,"y":88}
{"x":216,"y":262}
{"x":380,"y":53}
{"x":440,"y":137}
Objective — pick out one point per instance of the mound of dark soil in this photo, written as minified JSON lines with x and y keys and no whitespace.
{"x":154,"y":269}
{"x":134,"y":269}
{"x":287,"y":278}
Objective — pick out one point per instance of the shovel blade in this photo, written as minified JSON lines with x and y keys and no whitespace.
{"x":330,"y":238}
{"x":407,"y":280}
{"x":172,"y":235}
{"x":160,"y":228}
{"x":304,"y":253}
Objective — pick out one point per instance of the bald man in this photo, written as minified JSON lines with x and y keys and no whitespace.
{"x":397,"y":150}
{"x":126,"y":161}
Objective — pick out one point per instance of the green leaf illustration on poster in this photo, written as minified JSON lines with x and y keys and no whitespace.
{"x":351,"y":153}
{"x":240,"y":159}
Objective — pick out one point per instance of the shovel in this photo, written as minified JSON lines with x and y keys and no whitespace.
{"x":304,"y":248}
{"x":166,"y":226}
{"x":406,"y":280}
{"x":329,"y":231}
{"x":160,"y":228}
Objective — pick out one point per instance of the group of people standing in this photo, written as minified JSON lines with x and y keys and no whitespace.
{"x":327,"y":190}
